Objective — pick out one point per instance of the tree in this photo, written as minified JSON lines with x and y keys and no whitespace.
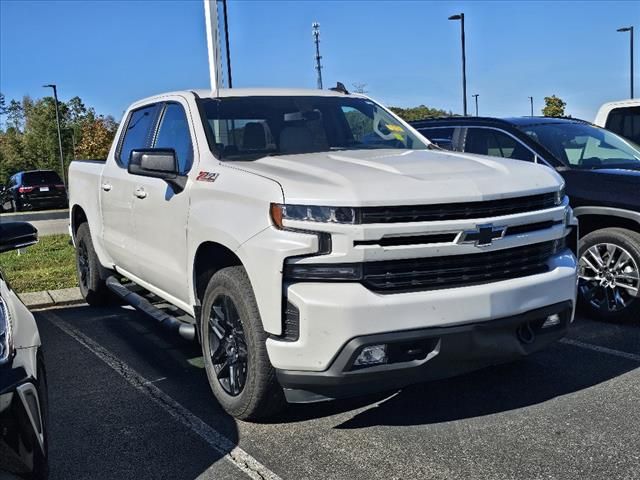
{"x":97,"y":137}
{"x":419,"y":113}
{"x":553,"y":107}
{"x":30,"y":136}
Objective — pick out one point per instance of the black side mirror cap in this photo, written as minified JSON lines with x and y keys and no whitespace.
{"x":15,"y":235}
{"x":157,"y":163}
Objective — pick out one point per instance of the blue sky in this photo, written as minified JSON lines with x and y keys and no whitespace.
{"x":111,"y":53}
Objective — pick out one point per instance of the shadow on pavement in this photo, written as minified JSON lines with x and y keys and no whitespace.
{"x":117,"y":420}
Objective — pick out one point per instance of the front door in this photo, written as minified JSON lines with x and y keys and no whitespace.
{"x":161,"y":213}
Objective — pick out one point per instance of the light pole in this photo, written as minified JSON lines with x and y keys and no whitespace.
{"x":531,"y":101}
{"x":55,"y":97}
{"x":476,"y":95}
{"x":464,"y":61}
{"x":630,"y":30}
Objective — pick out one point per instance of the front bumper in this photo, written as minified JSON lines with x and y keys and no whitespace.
{"x":435,"y":353}
{"x":331,"y":314}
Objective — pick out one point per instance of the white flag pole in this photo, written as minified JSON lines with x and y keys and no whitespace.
{"x":213,"y":45}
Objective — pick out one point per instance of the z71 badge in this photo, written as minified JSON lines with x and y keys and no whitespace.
{"x":207,"y":177}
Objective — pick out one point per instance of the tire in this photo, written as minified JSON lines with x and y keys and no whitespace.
{"x":91,"y":275}
{"x":257,"y":394}
{"x":607,"y":256}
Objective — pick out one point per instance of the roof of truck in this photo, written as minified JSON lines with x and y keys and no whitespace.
{"x":245,"y":92}
{"x":268,"y":92}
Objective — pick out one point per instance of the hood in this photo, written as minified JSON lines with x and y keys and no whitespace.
{"x":400,"y":177}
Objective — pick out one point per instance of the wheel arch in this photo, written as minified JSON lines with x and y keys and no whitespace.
{"x":209,"y":258}
{"x":596,"y":218}
{"x":78,"y":217}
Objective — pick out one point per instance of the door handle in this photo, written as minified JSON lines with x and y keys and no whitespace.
{"x":106,"y":187}
{"x":140,"y":193}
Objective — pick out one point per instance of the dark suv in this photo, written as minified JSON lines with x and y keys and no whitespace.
{"x":35,"y":189}
{"x":602,"y":175}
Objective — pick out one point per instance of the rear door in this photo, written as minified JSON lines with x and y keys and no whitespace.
{"x":117,"y":189}
{"x":161,"y":213}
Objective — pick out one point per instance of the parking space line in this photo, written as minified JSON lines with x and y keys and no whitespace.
{"x":599,"y":349}
{"x":241,"y":459}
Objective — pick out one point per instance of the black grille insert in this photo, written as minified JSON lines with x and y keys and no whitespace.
{"x":457,"y":211}
{"x":394,"y":276}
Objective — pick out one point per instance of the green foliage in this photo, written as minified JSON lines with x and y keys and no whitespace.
{"x":419,"y":113}
{"x":553,"y":107}
{"x":48,"y":265}
{"x":30,"y":137}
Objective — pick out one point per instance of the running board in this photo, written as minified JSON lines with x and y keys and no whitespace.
{"x":185,"y":330}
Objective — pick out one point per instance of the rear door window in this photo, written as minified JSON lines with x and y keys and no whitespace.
{"x":138,"y":132}
{"x":489,"y":141}
{"x":626,"y":122}
{"x":443,"y":137}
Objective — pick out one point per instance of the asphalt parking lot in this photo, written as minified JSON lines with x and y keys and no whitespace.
{"x":129,"y":400}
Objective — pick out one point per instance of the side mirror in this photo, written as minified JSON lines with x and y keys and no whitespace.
{"x":15,"y":235}
{"x":157,"y":163}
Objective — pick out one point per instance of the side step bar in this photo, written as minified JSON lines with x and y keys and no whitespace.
{"x":185,"y":330}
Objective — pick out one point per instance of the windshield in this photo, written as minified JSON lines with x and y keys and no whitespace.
{"x":248,"y":128}
{"x":585,"y":146}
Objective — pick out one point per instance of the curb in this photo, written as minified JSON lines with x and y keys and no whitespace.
{"x":52,"y":298}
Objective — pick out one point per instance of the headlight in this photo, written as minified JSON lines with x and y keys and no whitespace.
{"x":559,"y":198}
{"x":309,"y":213}
{"x":346,"y":272}
{"x":5,"y":333}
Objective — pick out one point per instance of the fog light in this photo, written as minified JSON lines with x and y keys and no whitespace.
{"x":372,"y":355}
{"x":551,"y":321}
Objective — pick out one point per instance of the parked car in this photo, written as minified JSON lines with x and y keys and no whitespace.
{"x":318,"y":246}
{"x":23,"y":384}
{"x":35,"y":189}
{"x":622,"y":117}
{"x":602,"y":174}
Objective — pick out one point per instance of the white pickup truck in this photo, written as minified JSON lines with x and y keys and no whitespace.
{"x":319,"y":247}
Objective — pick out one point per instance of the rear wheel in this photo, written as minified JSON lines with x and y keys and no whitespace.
{"x":91,"y":275}
{"x":609,"y":275}
{"x":234,"y":350}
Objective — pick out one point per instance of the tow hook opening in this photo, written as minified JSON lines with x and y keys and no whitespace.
{"x":526,"y":334}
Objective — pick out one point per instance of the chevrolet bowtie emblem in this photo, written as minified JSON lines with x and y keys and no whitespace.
{"x":482,"y":235}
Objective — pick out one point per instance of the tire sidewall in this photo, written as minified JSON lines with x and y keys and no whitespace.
{"x":226,"y":283}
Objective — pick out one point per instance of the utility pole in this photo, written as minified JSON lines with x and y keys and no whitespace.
{"x":476,"y":95}
{"x":630,"y":30}
{"x":531,"y":100}
{"x":55,"y":98}
{"x":464,"y":60}
{"x":316,"y":38}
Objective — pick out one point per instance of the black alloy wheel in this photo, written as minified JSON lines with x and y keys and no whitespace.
{"x":228,"y":345}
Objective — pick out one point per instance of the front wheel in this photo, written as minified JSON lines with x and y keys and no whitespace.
{"x":234,"y":349}
{"x":609,"y":274}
